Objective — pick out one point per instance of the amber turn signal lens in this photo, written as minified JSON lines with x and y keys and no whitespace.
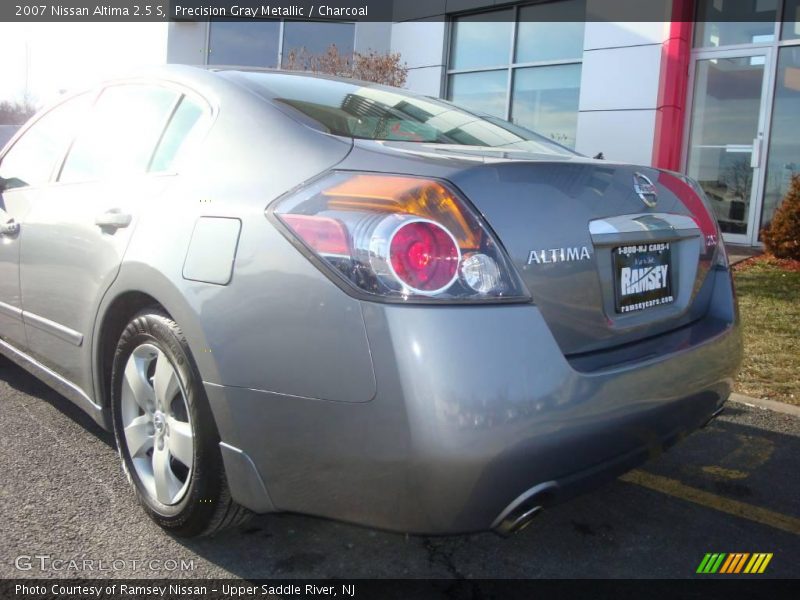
{"x":411,"y":195}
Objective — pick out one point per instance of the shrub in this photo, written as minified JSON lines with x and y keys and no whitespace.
{"x":372,"y":66}
{"x":782,"y":237}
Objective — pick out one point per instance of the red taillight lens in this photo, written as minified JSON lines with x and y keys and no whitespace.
{"x":695,"y":200}
{"x":324,"y":235}
{"x":399,"y":238}
{"x":424,"y":256}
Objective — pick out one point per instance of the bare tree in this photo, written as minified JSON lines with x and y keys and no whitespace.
{"x":372,"y":66}
{"x":16,"y":113}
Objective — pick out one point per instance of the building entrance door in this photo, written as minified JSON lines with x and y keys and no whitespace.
{"x":726,"y":149}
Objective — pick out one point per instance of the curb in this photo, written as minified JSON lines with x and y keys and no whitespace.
{"x":780,"y":407}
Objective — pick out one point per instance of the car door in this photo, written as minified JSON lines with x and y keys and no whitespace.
{"x":26,"y":169}
{"x":75,"y":235}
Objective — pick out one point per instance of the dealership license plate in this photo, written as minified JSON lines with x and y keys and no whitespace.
{"x":642,"y":276}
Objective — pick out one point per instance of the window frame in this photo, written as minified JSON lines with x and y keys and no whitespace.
{"x":777,"y":36}
{"x":92,"y":95}
{"x":203,"y":125}
{"x":510,"y":67}
{"x":281,"y":29}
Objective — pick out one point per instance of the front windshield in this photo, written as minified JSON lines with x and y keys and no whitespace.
{"x":376,"y":112}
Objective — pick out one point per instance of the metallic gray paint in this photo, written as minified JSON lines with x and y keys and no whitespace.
{"x":418,"y":418}
{"x":212,"y":250}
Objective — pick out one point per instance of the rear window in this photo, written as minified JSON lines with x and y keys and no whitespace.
{"x":376,"y":112}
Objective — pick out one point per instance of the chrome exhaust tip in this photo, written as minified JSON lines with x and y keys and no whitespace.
{"x":511,"y":526}
{"x":713,"y":416}
{"x":521,"y":512}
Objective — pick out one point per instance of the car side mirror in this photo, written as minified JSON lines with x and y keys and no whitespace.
{"x":10,"y":183}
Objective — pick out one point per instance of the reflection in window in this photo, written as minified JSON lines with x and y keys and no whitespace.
{"x":545,"y":99}
{"x":539,"y":72}
{"x":556,"y":35}
{"x":33,"y":157}
{"x":791,"y":20}
{"x":784,"y":142}
{"x":724,"y":23}
{"x":482,"y":40}
{"x":483,"y":91}
{"x":379,"y":113}
{"x":244,"y":43}
{"x":316,"y":38}
{"x":725,"y":111}
{"x":120,"y":135}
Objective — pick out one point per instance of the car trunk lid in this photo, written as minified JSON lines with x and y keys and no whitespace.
{"x":604,"y":263}
{"x":560,"y":218}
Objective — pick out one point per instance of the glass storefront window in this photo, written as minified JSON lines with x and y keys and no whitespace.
{"x":244,"y":43}
{"x":483,"y":91}
{"x":522,"y":63}
{"x":545,"y":99}
{"x":790,"y":29}
{"x":725,"y":117}
{"x":257,"y":43}
{"x":731,"y":22}
{"x":317,"y":37}
{"x":744,"y":140}
{"x":784,"y":139}
{"x":549,"y":39}
{"x":481,"y":40}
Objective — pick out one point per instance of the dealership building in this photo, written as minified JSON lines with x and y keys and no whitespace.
{"x":718,"y":99}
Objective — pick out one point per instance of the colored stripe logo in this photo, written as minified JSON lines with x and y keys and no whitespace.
{"x":734,"y":563}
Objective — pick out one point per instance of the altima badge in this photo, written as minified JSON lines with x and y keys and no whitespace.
{"x":554,"y":255}
{"x":645,"y":189}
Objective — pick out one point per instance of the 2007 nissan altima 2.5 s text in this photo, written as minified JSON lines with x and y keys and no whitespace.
{"x":294,"y":293}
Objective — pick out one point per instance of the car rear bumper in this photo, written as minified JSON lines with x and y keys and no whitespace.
{"x":474,"y":407}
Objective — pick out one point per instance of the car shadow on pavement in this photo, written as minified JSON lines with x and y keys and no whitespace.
{"x":25,"y":383}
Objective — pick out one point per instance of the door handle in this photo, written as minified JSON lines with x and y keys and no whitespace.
{"x":755,"y":157}
{"x":114,"y":219}
{"x":10,"y":227}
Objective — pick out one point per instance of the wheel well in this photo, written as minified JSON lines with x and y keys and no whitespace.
{"x":116,"y":319}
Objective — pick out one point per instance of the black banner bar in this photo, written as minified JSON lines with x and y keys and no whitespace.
{"x":362,"y":10}
{"x":706,"y":588}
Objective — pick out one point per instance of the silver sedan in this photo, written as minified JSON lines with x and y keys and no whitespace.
{"x":296,"y":293}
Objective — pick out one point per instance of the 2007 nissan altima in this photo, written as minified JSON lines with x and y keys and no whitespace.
{"x":294,"y":293}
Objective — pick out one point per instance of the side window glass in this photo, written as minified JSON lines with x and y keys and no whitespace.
{"x":120,"y":135}
{"x":178,"y":136}
{"x":33,"y":157}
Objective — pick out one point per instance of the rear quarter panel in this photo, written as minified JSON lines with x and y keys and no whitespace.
{"x":279,"y":324}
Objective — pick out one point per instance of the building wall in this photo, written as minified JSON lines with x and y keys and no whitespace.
{"x":619,"y":90}
{"x":187,"y":42}
{"x":422,"y":46}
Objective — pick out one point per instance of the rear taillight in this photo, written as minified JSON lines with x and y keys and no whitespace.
{"x":695,"y":200}
{"x":704,"y":215}
{"x":399,"y":238}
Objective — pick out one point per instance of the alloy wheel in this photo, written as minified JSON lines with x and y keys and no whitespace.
{"x":157,"y":424}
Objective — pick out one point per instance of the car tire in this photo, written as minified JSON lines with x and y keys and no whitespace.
{"x":165,"y":431}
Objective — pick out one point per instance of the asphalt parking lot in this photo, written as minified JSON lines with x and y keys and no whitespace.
{"x":732,"y":487}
